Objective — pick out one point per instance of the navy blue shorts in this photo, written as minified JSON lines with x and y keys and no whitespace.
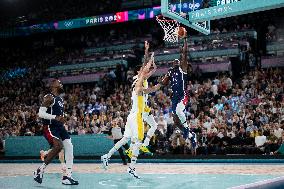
{"x":55,"y":131}
{"x":176,"y":100}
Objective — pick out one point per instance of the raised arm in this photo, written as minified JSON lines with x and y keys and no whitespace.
{"x":166,"y":79}
{"x":152,"y":89}
{"x":146,"y":55}
{"x":148,"y":67}
{"x":184,"y":60}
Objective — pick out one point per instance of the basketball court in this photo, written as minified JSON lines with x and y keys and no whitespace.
{"x":165,"y":175}
{"x":157,"y":175}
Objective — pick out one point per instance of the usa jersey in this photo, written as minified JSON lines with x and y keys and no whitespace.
{"x":56,"y":108}
{"x":177,"y":79}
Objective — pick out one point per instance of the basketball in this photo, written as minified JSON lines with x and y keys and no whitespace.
{"x":181,"y":32}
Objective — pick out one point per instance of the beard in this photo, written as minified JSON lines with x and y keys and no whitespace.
{"x":60,"y":90}
{"x":176,"y":66}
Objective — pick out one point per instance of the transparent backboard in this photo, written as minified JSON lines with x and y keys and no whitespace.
{"x":179,"y":10}
{"x":201,"y":11}
{"x":216,"y":9}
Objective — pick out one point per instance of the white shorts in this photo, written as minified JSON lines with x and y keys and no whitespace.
{"x":134,"y":127}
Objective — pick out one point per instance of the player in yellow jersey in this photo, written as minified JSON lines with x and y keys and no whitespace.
{"x":147,"y":116}
{"x":134,"y":128}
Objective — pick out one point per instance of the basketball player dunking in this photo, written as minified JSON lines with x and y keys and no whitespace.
{"x":51,"y":112}
{"x":177,"y":77}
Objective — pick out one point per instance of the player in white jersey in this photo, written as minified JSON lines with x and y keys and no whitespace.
{"x":147,"y":116}
{"x":134,"y":128}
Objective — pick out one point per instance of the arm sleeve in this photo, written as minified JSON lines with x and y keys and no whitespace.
{"x":42,"y":113}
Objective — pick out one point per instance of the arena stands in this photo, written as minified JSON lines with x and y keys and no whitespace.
{"x":227,"y":114}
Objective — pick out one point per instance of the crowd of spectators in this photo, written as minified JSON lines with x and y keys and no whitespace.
{"x":226,"y":116}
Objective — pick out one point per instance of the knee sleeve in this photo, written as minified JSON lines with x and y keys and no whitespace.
{"x":150,"y":120}
{"x":180,"y":113}
{"x":153,"y":125}
{"x":135,"y":146}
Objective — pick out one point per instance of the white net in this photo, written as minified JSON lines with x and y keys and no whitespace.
{"x":170,"y":29}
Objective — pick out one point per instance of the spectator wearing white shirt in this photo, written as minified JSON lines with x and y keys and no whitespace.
{"x":214,"y":88}
{"x":162,"y":125}
{"x":278,"y":131}
{"x":260,"y":140}
{"x":170,"y":124}
{"x":207,"y":123}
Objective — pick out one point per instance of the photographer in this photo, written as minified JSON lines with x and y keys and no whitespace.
{"x":177,"y":143}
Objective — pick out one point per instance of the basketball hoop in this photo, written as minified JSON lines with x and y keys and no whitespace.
{"x":170,"y":28}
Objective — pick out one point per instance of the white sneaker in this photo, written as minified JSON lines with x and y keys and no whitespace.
{"x":104,"y":160}
{"x":132,"y":172}
{"x":69,"y":181}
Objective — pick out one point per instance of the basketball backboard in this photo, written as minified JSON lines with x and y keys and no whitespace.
{"x":179,"y":10}
{"x":217,"y":9}
{"x":200,"y":12}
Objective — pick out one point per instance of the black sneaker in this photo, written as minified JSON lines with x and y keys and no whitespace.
{"x":132,"y":173}
{"x":69,"y":181}
{"x":38,"y":175}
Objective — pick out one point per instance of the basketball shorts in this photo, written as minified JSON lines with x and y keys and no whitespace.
{"x":134,"y":127}
{"x":183,"y":100}
{"x":55,"y":131}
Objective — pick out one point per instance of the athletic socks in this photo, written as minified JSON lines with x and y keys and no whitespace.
{"x":133,"y":162}
{"x":42,"y":167}
{"x":69,"y":172}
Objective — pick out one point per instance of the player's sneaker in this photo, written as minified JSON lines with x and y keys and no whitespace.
{"x":38,"y":175}
{"x":104,"y":160}
{"x":129,"y":153}
{"x":69,"y":181}
{"x":132,"y":172}
{"x":145,"y":150}
{"x":42,"y":155}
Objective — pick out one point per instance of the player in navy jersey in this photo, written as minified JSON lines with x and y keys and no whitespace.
{"x":51,"y":113}
{"x":177,"y":77}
